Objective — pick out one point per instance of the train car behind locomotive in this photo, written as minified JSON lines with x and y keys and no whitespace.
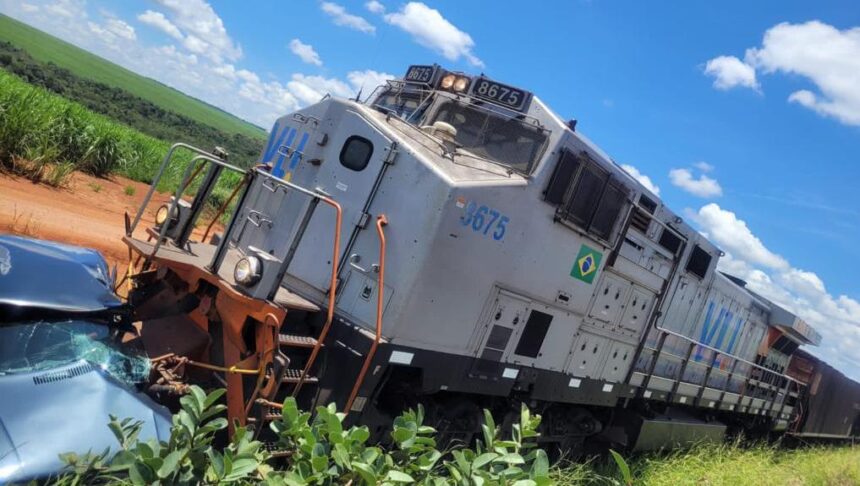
{"x":453,"y":242}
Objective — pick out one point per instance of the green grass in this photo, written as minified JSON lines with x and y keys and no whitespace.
{"x":47,"y":48}
{"x":729,"y":465}
{"x":44,"y":136}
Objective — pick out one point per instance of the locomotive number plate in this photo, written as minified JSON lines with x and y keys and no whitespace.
{"x":419,"y":74}
{"x":502,"y":94}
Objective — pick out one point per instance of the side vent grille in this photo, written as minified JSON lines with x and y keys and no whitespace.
{"x":68,"y":374}
{"x":640,"y":220}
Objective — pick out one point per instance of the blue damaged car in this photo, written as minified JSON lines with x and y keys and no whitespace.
{"x":64,"y":368}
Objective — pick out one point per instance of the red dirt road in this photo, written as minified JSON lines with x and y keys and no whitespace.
{"x":88,"y":212}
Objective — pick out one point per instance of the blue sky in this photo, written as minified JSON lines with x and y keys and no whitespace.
{"x":745,"y":115}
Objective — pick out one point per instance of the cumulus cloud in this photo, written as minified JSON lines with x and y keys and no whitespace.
{"x":367,"y":79}
{"x":729,"y":72}
{"x":341,"y":17}
{"x":642,"y":178}
{"x":197,"y":61}
{"x":429,"y":28}
{"x":733,"y":235}
{"x":704,"y":166}
{"x":702,"y":186}
{"x":160,"y":22}
{"x":827,"y":57}
{"x":375,"y":7}
{"x":305,"y":52}
{"x":205,"y":31}
{"x":801,"y":291}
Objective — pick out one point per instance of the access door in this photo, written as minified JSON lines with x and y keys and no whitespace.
{"x":350,"y":171}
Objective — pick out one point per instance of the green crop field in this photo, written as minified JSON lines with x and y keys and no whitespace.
{"x":47,"y":48}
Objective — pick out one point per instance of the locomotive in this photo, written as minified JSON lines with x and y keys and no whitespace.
{"x":451,"y":241}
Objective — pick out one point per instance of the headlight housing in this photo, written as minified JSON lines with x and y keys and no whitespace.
{"x":248,"y":271}
{"x":162,"y":214}
{"x":454,"y":82}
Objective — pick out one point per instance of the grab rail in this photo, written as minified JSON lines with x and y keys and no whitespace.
{"x":186,"y":181}
{"x":658,"y":352}
{"x":160,"y":174}
{"x":335,"y":260}
{"x":380,"y":222}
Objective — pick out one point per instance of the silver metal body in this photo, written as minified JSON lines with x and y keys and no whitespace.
{"x":457,"y":287}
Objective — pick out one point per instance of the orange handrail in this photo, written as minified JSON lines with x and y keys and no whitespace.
{"x":331,"y":292}
{"x":381,"y":221}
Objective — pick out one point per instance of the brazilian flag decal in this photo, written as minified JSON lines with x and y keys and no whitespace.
{"x":586,"y":264}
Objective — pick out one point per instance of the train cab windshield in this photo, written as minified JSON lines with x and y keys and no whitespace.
{"x":484,"y":131}
{"x":489,"y":135}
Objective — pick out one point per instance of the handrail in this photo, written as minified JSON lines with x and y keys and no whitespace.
{"x":335,"y":263}
{"x":769,"y":403}
{"x":723,"y":353}
{"x":160,"y":173}
{"x":186,"y":179}
{"x":381,"y":221}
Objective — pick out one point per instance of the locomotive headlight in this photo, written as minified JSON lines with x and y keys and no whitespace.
{"x":447,"y":81}
{"x":461,"y":84}
{"x":163,"y":214}
{"x":247,"y":272}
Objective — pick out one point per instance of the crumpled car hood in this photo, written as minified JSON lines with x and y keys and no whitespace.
{"x":66,"y":409}
{"x":38,"y":274}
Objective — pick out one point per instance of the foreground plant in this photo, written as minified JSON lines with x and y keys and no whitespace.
{"x":322,"y":452}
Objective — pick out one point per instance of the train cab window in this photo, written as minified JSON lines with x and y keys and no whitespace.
{"x":533,"y":334}
{"x":699,"y":262}
{"x":356,"y":153}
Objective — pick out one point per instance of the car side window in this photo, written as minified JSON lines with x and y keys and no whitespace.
{"x":356,"y":153}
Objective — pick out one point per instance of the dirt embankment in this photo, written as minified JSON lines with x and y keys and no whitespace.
{"x":88,"y":212}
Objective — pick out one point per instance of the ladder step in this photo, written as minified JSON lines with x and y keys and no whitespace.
{"x":292,"y":375}
{"x":274,"y":449}
{"x":297,"y":341}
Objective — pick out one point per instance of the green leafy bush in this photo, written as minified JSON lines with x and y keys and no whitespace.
{"x":321,"y":452}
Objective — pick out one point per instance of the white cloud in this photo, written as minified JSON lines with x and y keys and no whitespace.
{"x":642,"y":178}
{"x":367,"y":80}
{"x":802,"y":292}
{"x":375,"y":7}
{"x":160,"y":22}
{"x":703,"y":186}
{"x":430,"y":29}
{"x":827,"y":56}
{"x":734,"y":236}
{"x":205,"y":29}
{"x":343,"y":18}
{"x":28,"y":7}
{"x":305,"y":52}
{"x":704,"y":166}
{"x":194,"y":63}
{"x":818,"y":52}
{"x":121,"y":29}
{"x":729,"y":72}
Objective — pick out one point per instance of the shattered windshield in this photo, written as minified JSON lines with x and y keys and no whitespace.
{"x":508,"y":141}
{"x":41,"y":346}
